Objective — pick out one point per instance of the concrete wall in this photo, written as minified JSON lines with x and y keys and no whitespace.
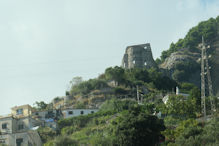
{"x":27,"y":110}
{"x":13,"y":124}
{"x":10,"y":124}
{"x":27,"y":123}
{"x":77,"y":112}
{"x":28,"y":138}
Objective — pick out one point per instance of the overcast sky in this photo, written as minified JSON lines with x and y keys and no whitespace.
{"x":45,"y":43}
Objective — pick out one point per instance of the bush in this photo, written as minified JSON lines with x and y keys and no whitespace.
{"x":87,"y":86}
{"x":65,"y":141}
{"x":46,"y":134}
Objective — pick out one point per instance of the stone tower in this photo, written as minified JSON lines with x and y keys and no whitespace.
{"x":138,"y":56}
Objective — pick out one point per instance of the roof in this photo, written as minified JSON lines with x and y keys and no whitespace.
{"x":81,"y":109}
{"x":22,"y":106}
{"x":7,"y":116}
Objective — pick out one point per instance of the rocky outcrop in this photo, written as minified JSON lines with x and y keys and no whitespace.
{"x":184,"y":55}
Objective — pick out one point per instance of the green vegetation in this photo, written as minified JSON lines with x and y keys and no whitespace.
{"x":87,"y":86}
{"x":122,"y":121}
{"x":119,"y":122}
{"x":46,"y":134}
{"x":182,"y":70}
{"x":41,"y":105}
{"x":208,"y":29}
{"x":117,"y":82}
{"x":125,"y":78}
{"x":190,"y":132}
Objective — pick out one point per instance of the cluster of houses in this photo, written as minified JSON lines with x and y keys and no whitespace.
{"x":20,"y":127}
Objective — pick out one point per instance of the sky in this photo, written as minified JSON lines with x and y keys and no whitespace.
{"x":45,"y":43}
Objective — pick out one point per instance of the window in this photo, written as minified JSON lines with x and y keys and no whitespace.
{"x":2,"y":141}
{"x":19,"y":141}
{"x":82,"y":112}
{"x":70,"y":112}
{"x":4,"y":126}
{"x":19,"y":111}
{"x":92,"y":112}
{"x":37,"y":114}
{"x":20,"y":127}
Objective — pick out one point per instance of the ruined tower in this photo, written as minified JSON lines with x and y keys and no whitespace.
{"x":138,"y":56}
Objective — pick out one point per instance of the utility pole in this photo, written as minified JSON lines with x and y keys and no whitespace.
{"x":213,"y":109}
{"x":205,"y":66}
{"x":138,"y":95}
{"x":203,"y":105}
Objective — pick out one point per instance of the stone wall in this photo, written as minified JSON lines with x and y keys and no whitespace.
{"x":139,"y":56}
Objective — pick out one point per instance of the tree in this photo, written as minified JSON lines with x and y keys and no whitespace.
{"x":185,"y":130}
{"x":41,"y":105}
{"x":117,"y":74}
{"x":137,"y":128}
{"x":194,"y":134}
{"x":181,"y":107}
{"x":76,"y":81}
{"x":137,"y":74}
{"x":195,"y":93}
{"x":208,"y":29}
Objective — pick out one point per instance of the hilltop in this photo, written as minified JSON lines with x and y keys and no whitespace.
{"x":182,"y":60}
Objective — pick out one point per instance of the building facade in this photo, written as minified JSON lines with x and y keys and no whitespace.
{"x":48,"y":118}
{"x":71,"y":112}
{"x":16,"y":129}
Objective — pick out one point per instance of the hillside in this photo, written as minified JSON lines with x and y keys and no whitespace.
{"x":123,"y":119}
{"x":115,"y":82}
{"x":182,"y":60}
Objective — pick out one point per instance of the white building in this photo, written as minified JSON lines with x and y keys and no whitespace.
{"x":165,"y":98}
{"x":71,"y":112}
